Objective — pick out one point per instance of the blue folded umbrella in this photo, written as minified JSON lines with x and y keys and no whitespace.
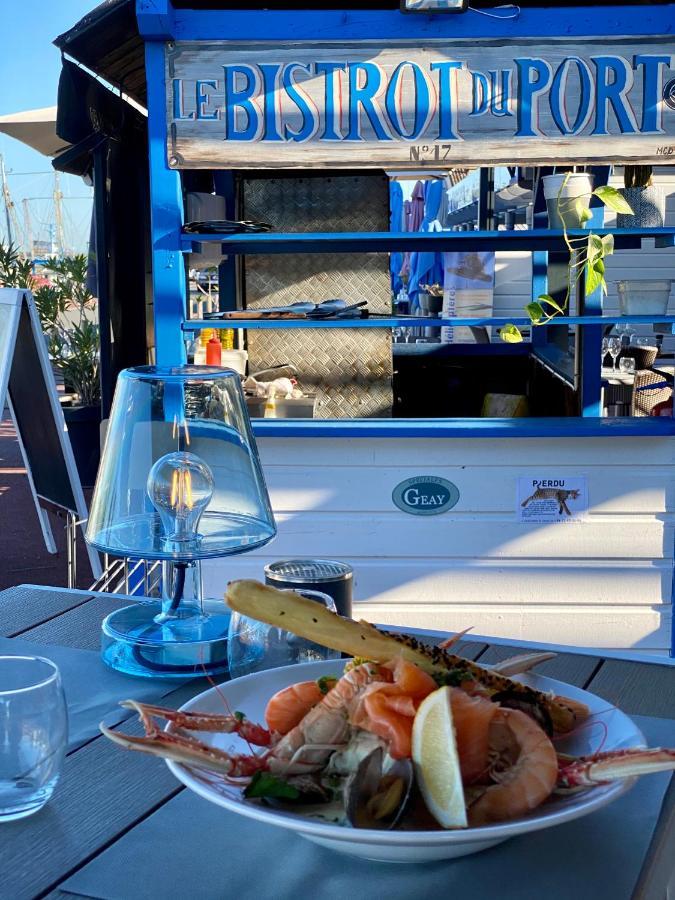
{"x":427,"y":267}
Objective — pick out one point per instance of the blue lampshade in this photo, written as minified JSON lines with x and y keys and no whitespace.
{"x":180,"y":477}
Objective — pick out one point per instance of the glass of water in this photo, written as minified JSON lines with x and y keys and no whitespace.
{"x":33,"y":734}
{"x":253,"y":646}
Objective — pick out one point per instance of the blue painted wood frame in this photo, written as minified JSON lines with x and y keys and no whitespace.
{"x":357,"y":25}
{"x":168,"y":263}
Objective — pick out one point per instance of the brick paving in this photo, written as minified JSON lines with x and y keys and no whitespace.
{"x":24,"y":558}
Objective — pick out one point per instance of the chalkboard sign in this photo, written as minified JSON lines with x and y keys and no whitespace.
{"x":27,"y":382}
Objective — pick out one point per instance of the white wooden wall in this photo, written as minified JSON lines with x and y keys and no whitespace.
{"x":604,"y":582}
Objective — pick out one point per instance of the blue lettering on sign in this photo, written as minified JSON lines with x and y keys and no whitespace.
{"x":429,"y":100}
{"x":611,"y":92}
{"x":425,"y":495}
{"x":297,"y":95}
{"x":534,"y":77}
{"x":480,"y":92}
{"x":559,"y":96}
{"x":241,"y":98}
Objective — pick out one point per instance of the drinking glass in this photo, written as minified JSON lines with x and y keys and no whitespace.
{"x":614,"y":347}
{"x":627,"y":365}
{"x":253,"y":646}
{"x":33,"y":734}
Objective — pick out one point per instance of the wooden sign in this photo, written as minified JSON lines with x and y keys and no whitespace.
{"x":253,"y":105}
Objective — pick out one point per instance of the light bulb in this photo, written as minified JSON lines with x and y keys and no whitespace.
{"x":180,"y":486}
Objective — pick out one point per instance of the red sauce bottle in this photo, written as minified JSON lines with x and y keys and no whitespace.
{"x":214,"y":351}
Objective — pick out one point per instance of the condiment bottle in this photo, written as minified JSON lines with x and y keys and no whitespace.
{"x":214,"y":351}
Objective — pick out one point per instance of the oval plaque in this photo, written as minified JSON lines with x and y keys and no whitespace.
{"x":425,"y":495}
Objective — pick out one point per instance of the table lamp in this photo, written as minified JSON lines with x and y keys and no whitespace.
{"x":179,"y":481}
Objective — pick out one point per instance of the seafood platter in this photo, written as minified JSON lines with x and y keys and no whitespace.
{"x":403,"y":752}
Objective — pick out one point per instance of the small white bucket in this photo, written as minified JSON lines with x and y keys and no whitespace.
{"x":234,"y":359}
{"x":645,"y":297}
{"x":561,"y":193}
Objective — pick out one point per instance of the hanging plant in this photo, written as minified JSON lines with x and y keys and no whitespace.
{"x":587,"y":255}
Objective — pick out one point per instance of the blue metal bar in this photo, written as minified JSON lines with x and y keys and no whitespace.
{"x":168,"y":264}
{"x":434,"y":241}
{"x":397,"y":322}
{"x":539,"y":286}
{"x":390,"y":25}
{"x":465,"y":428}
{"x":591,"y":338}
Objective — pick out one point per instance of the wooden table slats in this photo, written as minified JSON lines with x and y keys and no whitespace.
{"x":123,"y":789}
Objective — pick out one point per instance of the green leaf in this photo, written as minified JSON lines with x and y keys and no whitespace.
{"x":613,"y":199}
{"x":546,"y":299}
{"x":511,"y":334}
{"x":582,"y":211}
{"x":594,"y":249}
{"x":608,"y":244}
{"x":535,"y":311}
{"x":594,"y":276}
{"x":265,"y":785}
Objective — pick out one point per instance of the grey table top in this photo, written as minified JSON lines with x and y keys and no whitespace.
{"x":104,"y":795}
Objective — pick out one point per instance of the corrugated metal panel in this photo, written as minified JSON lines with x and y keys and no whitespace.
{"x":350,"y":371}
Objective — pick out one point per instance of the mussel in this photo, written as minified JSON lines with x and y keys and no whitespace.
{"x":375,"y":798}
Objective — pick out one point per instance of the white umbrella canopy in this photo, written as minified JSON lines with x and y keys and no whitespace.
{"x":35,"y":127}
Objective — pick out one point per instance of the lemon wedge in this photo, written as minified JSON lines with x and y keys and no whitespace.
{"x":434,"y":753}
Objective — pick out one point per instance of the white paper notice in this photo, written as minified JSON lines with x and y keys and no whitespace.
{"x":550,"y":498}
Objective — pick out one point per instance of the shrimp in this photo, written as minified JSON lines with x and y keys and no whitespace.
{"x":524,"y":770}
{"x":327,"y":725}
{"x":288,"y":707}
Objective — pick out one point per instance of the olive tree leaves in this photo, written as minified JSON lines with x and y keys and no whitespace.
{"x":587,"y":257}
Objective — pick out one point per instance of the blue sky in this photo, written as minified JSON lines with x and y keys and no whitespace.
{"x":29,"y":73}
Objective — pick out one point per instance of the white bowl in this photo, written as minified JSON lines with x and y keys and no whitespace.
{"x":250,"y":695}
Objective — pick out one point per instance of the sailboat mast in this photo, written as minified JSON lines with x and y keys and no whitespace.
{"x":58,"y":215}
{"x":6,"y":199}
{"x":29,"y":227}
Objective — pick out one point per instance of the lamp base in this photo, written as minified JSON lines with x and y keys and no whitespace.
{"x":132,"y":642}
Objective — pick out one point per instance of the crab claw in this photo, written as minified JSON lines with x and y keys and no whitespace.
{"x":613,"y":766}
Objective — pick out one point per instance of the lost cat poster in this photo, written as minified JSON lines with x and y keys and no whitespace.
{"x":552,"y":498}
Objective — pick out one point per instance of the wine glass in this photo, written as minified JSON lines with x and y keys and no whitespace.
{"x":604,"y":349}
{"x":614,"y":348}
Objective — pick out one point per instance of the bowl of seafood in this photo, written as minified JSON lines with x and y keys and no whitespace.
{"x":404,"y":753}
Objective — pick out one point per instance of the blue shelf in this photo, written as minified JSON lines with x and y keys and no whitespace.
{"x":391,"y":242}
{"x":658,"y":426}
{"x":415,"y":322}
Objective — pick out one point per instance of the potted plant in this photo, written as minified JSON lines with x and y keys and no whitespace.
{"x":562,"y":194}
{"x":587,"y":255}
{"x":67,"y":312}
{"x":646,"y":199}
